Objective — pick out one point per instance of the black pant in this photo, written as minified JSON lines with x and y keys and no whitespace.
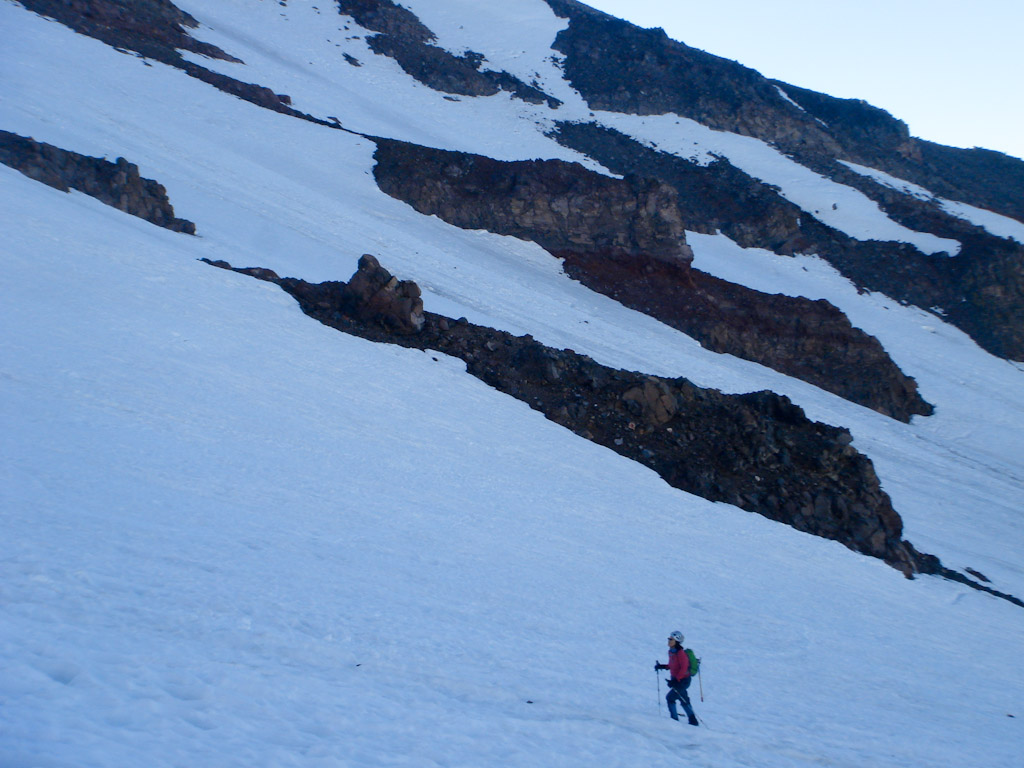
{"x":677,"y":692}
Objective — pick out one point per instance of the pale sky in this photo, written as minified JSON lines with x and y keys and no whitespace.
{"x":953,"y":70}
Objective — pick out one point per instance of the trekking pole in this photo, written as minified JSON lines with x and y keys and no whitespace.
{"x":700,"y":681}
{"x":657,"y":677}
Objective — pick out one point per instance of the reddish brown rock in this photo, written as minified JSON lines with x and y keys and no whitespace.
{"x":626,"y":238}
{"x":374,"y":294}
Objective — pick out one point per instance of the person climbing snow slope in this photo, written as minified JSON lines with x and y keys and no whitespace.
{"x":679,"y":671}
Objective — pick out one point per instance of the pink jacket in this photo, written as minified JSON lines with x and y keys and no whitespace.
{"x":678,"y":664}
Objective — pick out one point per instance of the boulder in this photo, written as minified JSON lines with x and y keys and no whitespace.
{"x":653,"y":401}
{"x":374,"y":294}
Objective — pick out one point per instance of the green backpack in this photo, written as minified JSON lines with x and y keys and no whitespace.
{"x":694,"y":662}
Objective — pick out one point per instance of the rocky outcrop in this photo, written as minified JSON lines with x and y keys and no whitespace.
{"x":859,"y":129}
{"x":757,"y":451}
{"x":558,"y":205}
{"x":152,"y":28}
{"x":872,"y":137}
{"x":717,"y":197}
{"x":981,"y":290}
{"x":403,"y":37}
{"x":618,"y":66}
{"x":117,"y":183}
{"x":625,"y":238}
{"x":978,"y":176}
{"x":811,"y":340}
{"x":373,"y":296}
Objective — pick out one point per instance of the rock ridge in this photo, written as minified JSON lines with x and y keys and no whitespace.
{"x":981,"y":290}
{"x":556,"y":204}
{"x":625,"y":238}
{"x":118,"y":183}
{"x":620,"y":67}
{"x":757,"y":451}
{"x":403,"y":37}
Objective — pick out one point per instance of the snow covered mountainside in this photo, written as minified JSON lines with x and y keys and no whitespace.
{"x":667,"y":346}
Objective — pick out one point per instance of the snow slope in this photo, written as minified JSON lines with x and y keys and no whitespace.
{"x":305,"y":38}
{"x":996,"y":224}
{"x":955,"y":477}
{"x":234,"y":537}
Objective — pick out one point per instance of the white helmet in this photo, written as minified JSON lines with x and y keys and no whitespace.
{"x":677,"y":636}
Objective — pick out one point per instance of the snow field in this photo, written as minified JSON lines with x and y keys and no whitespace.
{"x":258,"y":181}
{"x":994,"y":223}
{"x":945,"y":472}
{"x":306,"y":62}
{"x":300,"y":51}
{"x":215,"y":509}
{"x":238,"y":537}
{"x":840,"y":207}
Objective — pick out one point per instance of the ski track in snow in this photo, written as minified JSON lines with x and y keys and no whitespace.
{"x":236,"y":537}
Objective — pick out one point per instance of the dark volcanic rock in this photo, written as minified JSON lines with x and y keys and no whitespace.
{"x":873,"y":137}
{"x":981,"y":290}
{"x":152,"y":28}
{"x":861,"y":130}
{"x":625,"y":238}
{"x":373,"y":296}
{"x":558,"y":205}
{"x":811,"y":340}
{"x":717,"y":197}
{"x":757,"y":451}
{"x":403,"y":37}
{"x":117,"y":183}
{"x":620,"y":67}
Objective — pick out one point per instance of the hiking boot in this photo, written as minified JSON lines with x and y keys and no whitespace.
{"x":693,"y":721}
